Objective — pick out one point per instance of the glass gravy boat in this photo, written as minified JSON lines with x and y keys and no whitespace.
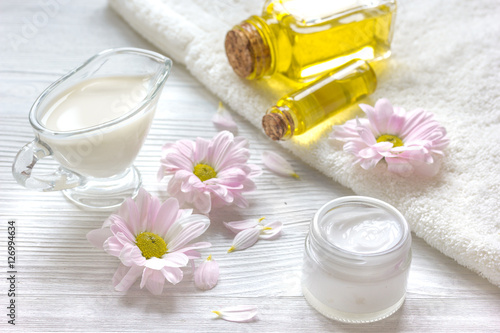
{"x":93,"y":122}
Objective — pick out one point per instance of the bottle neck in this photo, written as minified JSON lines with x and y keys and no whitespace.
{"x":249,"y":50}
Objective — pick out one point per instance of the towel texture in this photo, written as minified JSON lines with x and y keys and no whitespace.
{"x":446,"y":59}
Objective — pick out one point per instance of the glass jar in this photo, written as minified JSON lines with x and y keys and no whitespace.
{"x":357,"y":259}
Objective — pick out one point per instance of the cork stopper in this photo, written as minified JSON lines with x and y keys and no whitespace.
{"x":247,"y":52}
{"x":278,"y":125}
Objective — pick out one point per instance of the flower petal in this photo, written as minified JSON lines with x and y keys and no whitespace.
{"x":399,"y":166}
{"x":223,"y":121}
{"x":271,"y":230}
{"x":278,"y":164}
{"x":190,"y":250}
{"x":97,"y":237}
{"x":200,"y":150}
{"x":130,"y":255}
{"x":372,"y":118}
{"x":366,"y":134}
{"x":161,"y":173}
{"x":130,"y":214}
{"x":240,"y":201}
{"x":177,"y":156}
{"x":144,"y":205}
{"x":201,"y":201}
{"x":155,"y":263}
{"x":369,"y":153}
{"x":239,"y":313}
{"x":345,"y":132}
{"x":427,"y":169}
{"x":185,"y":230}
{"x":176,"y":259}
{"x":206,"y":275}
{"x":125,"y":277}
{"x":153,"y":280}
{"x":237,"y":226}
{"x":113,"y":246}
{"x":122,"y":231}
{"x":166,"y":216}
{"x":383,"y":113}
{"x":354,"y":147}
{"x":369,"y":163}
{"x":244,"y":239}
{"x":396,"y":122}
{"x":172,"y":274}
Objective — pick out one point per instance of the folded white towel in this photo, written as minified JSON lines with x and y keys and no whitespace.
{"x":445,"y":59}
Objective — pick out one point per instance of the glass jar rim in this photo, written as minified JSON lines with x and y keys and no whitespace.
{"x":164,"y":72}
{"x":319,"y":238}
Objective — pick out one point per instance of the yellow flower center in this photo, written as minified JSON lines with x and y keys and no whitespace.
{"x":396,"y":142}
{"x":204,"y":172}
{"x":264,"y":228}
{"x":151,"y":245}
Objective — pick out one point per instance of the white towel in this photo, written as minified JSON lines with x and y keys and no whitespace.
{"x":446,"y":59}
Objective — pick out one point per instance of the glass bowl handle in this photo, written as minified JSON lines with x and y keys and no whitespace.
{"x":25,"y":161}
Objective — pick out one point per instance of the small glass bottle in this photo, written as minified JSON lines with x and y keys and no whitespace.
{"x":301,"y":110}
{"x":302,"y":39}
{"x":357,"y":259}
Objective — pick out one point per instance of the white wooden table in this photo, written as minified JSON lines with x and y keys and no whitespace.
{"x":63,"y":284}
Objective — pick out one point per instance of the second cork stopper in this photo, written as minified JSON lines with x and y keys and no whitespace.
{"x":278,"y":123}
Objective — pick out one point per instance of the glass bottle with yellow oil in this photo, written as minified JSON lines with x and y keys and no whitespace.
{"x":303,"y":109}
{"x":302,"y":39}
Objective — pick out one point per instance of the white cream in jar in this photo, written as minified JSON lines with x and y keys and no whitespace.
{"x":358,"y":254}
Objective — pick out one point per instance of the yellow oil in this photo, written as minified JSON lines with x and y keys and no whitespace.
{"x":327,"y":97}
{"x":310,"y":37}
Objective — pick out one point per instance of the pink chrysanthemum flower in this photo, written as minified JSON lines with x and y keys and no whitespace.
{"x":209,"y":173}
{"x":151,"y":240}
{"x":408,"y":141}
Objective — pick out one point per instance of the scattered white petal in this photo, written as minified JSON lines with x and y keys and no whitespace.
{"x":237,"y":226}
{"x":223,"y":120}
{"x":244,"y":239}
{"x":250,"y":231}
{"x":271,"y":230}
{"x":206,"y":275}
{"x":278,"y":164}
{"x":239,"y":313}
